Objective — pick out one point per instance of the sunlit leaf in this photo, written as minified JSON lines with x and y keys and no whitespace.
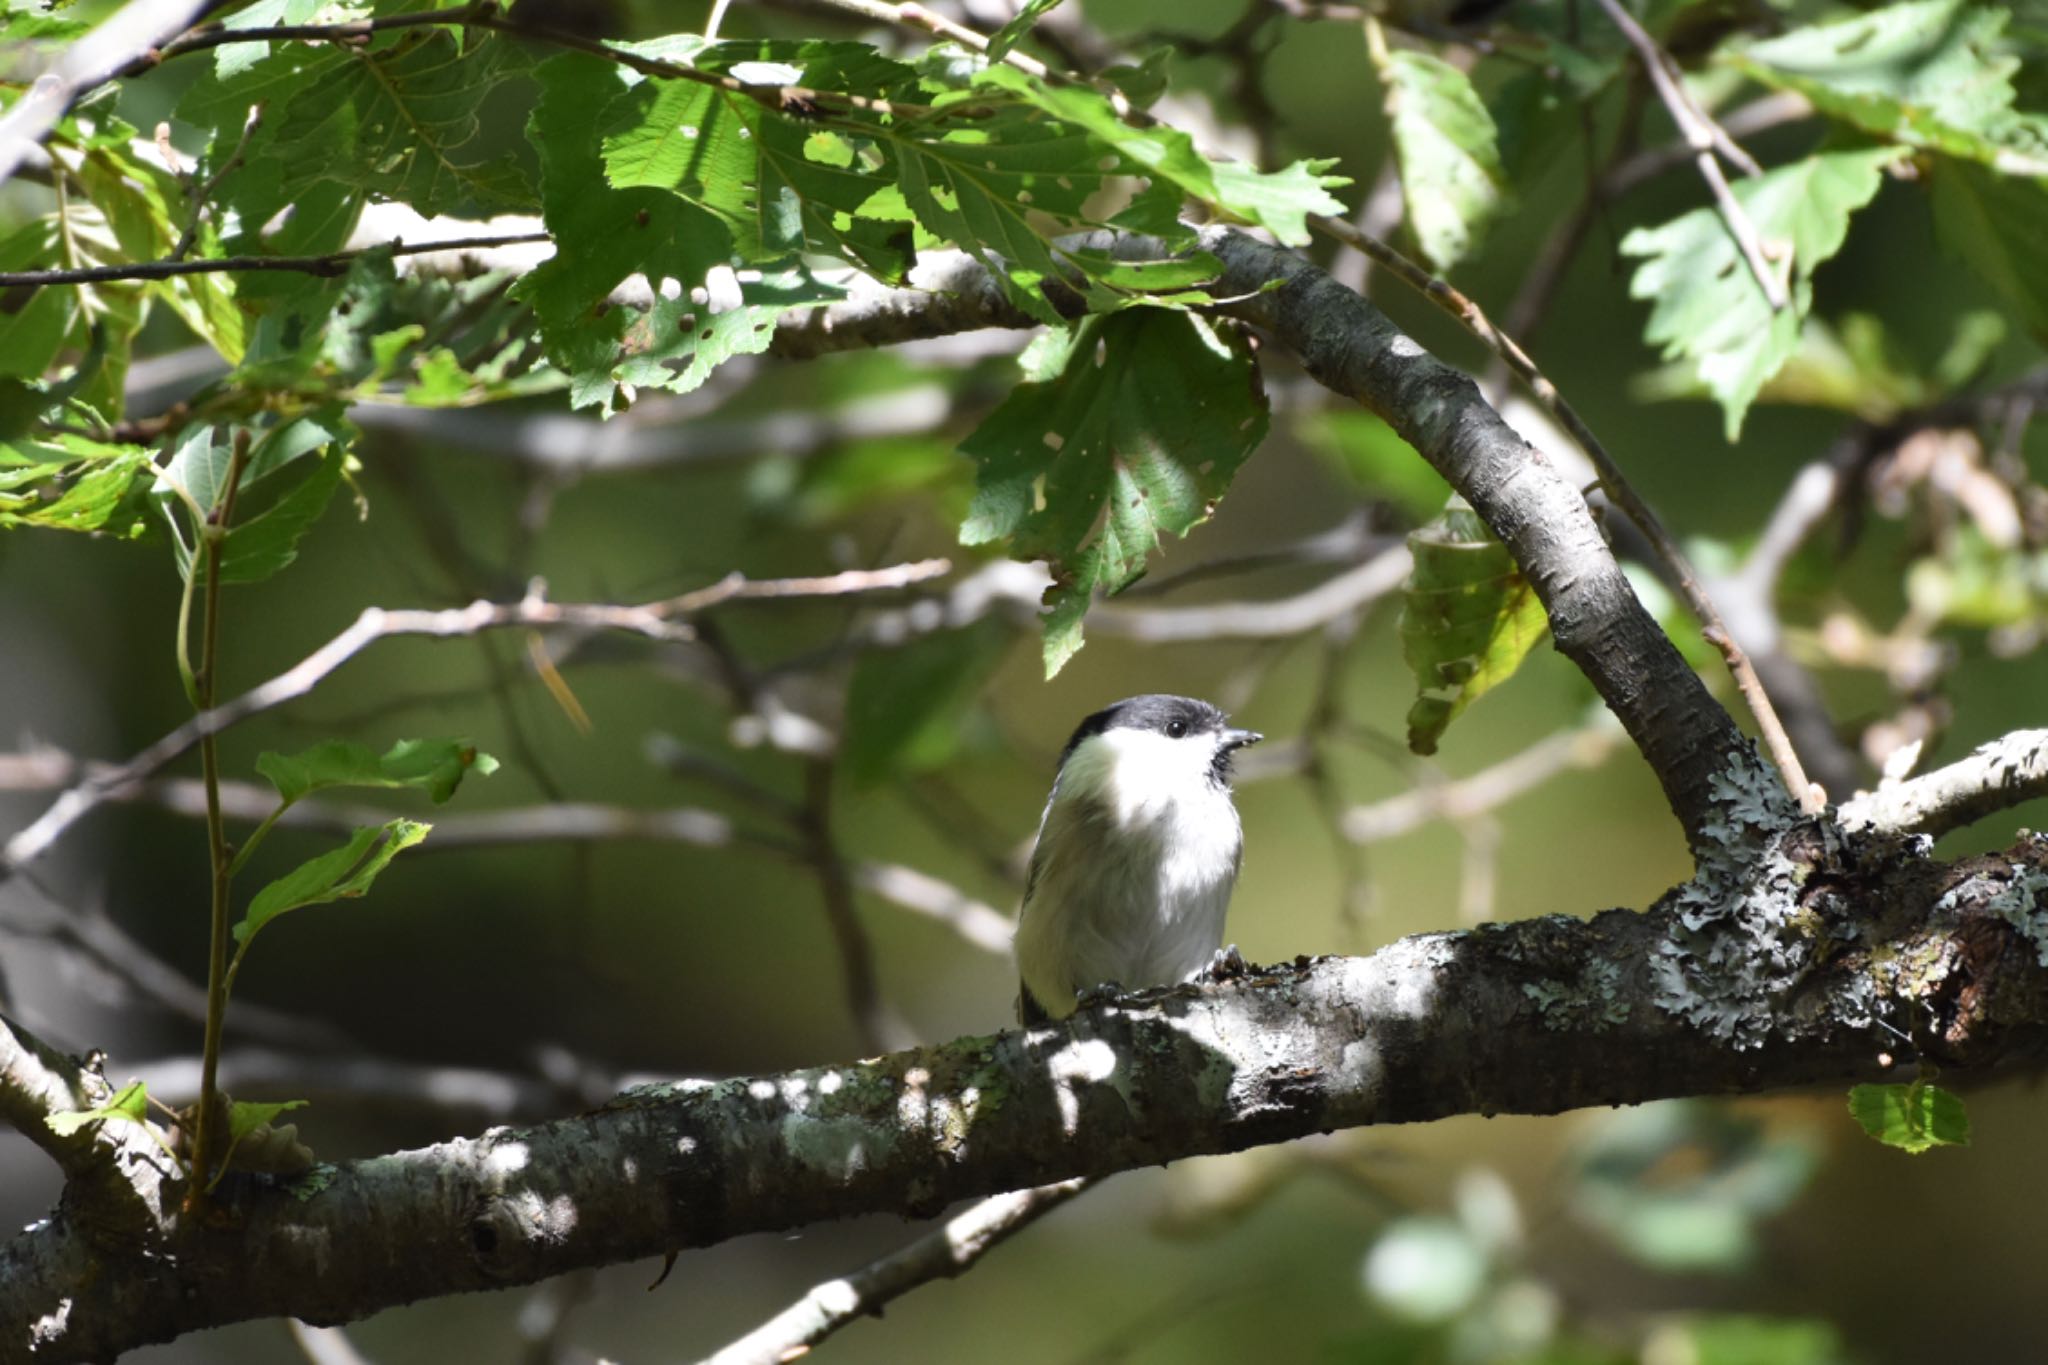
{"x":130,"y":1103}
{"x":434,"y":766}
{"x":1709,"y":309}
{"x":1912,"y":1117}
{"x":1451,"y":175}
{"x":345,"y":873}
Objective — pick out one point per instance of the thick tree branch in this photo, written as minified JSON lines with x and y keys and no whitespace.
{"x":1812,"y":968}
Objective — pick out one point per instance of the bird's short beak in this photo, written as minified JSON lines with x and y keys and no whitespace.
{"x":1238,"y":739}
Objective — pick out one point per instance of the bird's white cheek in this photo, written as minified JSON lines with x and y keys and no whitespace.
{"x":1144,"y":775}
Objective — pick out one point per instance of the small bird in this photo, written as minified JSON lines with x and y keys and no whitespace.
{"x":1137,"y":853}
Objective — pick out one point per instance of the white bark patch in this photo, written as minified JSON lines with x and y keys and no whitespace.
{"x":1084,"y":1061}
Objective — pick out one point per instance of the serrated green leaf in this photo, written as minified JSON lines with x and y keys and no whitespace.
{"x":1447,"y":148}
{"x":265,"y":543}
{"x":1009,"y":35}
{"x":434,"y":766}
{"x":984,"y":187}
{"x":74,"y":483}
{"x":1139,"y":436}
{"x":130,"y":1103}
{"x":1468,"y":619}
{"x":345,"y":873}
{"x":1709,"y":309}
{"x":677,"y":343}
{"x":617,"y":232}
{"x":1932,"y":74}
{"x":1279,"y":202}
{"x":1913,"y":1118}
{"x":904,"y":707}
{"x":401,"y":122}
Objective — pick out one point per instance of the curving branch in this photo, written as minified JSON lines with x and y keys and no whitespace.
{"x":1352,"y":348}
{"x":665,"y":620}
{"x":1849,"y":955}
{"x":951,"y":1250}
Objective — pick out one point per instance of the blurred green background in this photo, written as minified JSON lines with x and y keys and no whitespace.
{"x":1753,"y":1230}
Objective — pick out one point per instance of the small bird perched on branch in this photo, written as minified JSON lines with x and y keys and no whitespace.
{"x":1137,"y":853}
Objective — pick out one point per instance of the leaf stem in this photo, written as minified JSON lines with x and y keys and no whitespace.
{"x":214,"y":531}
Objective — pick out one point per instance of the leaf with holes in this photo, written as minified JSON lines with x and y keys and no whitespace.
{"x":1137,"y":436}
{"x":618,"y":232}
{"x":1279,"y":201}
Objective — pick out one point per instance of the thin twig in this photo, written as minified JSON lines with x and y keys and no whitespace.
{"x":1705,"y":138}
{"x":655,"y":620}
{"x":943,"y":1253}
{"x":212,"y":533}
{"x":204,"y":192}
{"x":332,"y":263}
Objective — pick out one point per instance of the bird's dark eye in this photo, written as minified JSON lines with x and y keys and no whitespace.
{"x":1176,"y":729}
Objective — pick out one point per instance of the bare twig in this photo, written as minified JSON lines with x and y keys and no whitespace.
{"x":1326,"y":602}
{"x":1996,"y":777}
{"x":333,"y":263}
{"x":1705,"y":138}
{"x":943,"y":1253}
{"x":1483,"y":791}
{"x":655,"y":620}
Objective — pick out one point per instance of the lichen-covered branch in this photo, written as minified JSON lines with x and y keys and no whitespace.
{"x":1825,"y":961}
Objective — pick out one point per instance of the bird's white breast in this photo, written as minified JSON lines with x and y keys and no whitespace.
{"x":1138,"y":853}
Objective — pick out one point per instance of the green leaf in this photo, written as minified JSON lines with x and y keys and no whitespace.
{"x":1279,"y":202}
{"x":985,"y":188}
{"x":1931,"y":74}
{"x":677,"y":343}
{"x":402,"y":122}
{"x":1448,"y":151}
{"x":1014,"y":32}
{"x":434,"y":766}
{"x":260,"y":546}
{"x":1138,"y":436}
{"x":1709,"y":309}
{"x":1998,"y":227}
{"x":1912,"y":1117}
{"x":615,"y":232}
{"x":245,"y":1117}
{"x":130,"y":1102}
{"x":905,"y":706}
{"x":75,"y":483}
{"x":346,"y":872}
{"x":1468,"y":619}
